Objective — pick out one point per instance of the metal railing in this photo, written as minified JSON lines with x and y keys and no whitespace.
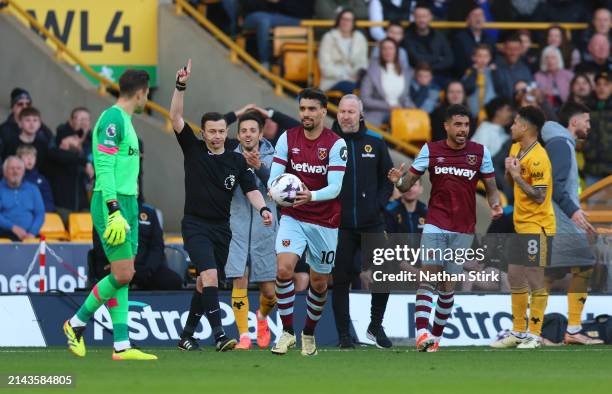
{"x":238,"y":54}
{"x":61,"y":52}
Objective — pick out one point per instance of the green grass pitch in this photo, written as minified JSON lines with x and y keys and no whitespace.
{"x":364,"y":370}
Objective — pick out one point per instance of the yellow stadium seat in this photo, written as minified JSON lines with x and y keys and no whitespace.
{"x":53,"y":228}
{"x":173,"y":240}
{"x":80,"y":226}
{"x":410,"y":125}
{"x":5,"y":241}
{"x":284,"y":35}
{"x":31,"y":240}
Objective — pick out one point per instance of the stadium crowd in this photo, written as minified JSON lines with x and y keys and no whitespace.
{"x":494,"y":73}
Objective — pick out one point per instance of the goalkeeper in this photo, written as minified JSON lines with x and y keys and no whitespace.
{"x":114,"y":211}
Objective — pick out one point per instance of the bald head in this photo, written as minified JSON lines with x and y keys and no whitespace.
{"x":350,"y":110}
{"x":599,"y":48}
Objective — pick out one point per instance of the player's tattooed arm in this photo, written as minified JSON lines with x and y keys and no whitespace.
{"x":402,"y":179}
{"x":176,"y":106}
{"x":537,"y":194}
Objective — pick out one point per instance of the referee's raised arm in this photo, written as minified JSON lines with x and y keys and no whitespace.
{"x":176,"y":107}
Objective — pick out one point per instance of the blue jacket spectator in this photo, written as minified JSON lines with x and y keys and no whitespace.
{"x":423,"y":92}
{"x":510,"y":68}
{"x":22,"y":211}
{"x":465,"y":41}
{"x":27,"y":153}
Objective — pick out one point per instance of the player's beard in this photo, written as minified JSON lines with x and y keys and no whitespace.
{"x":311,"y":126}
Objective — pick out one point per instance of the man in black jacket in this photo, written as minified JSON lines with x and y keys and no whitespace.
{"x":20,"y":99}
{"x":365,"y":193}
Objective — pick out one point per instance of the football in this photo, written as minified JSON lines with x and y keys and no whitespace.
{"x":284,"y":189}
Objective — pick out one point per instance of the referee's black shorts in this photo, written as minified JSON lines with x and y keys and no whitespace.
{"x":206,"y":242}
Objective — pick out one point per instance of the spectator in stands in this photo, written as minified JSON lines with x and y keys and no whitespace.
{"x":22,"y":211}
{"x":152,"y":272}
{"x":467,"y":40}
{"x":343,"y":55}
{"x":29,"y":121}
{"x":492,"y":133}
{"x":581,"y":89}
{"x":555,"y":36}
{"x":510,"y":67}
{"x":395,"y":31}
{"x":385,"y":86}
{"x":453,"y":94}
{"x":553,"y":79}
{"x":423,"y":92}
{"x":597,"y":59}
{"x":600,"y":24}
{"x":329,"y":9}
{"x":262,"y":15}
{"x":27,"y":153}
{"x":528,"y":54}
{"x":425,"y":44}
{"x":526,"y":94}
{"x":406,"y":214}
{"x":67,"y":172}
{"x":478,"y":81}
{"x":598,"y":146}
{"x":79,"y":124}
{"x":20,"y":99}
{"x":387,"y":10}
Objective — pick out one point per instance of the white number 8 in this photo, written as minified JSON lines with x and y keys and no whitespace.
{"x":532,"y":246}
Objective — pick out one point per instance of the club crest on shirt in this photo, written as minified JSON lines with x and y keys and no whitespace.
{"x":286,"y":243}
{"x":368,"y":148}
{"x":111,"y":130}
{"x":229,"y":182}
{"x":322,"y":153}
{"x":472,"y":159}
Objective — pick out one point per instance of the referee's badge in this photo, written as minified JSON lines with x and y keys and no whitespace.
{"x":229,"y":182}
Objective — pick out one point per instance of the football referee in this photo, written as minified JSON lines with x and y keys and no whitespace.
{"x":211,"y":175}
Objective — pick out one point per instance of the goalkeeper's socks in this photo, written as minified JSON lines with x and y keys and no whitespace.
{"x":210,"y":302}
{"x":424,"y":302}
{"x":444,"y":307}
{"x":118,"y":309}
{"x":285,"y":295}
{"x":195,"y":314}
{"x":104,"y":290}
{"x":240,"y":306}
{"x":315,"y":302}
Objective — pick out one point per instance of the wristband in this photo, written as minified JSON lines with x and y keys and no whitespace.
{"x":180,"y":86}
{"x":263,"y":209}
{"x":113,"y":206}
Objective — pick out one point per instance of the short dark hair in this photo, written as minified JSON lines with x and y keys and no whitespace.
{"x":512,"y":37}
{"x":251,"y":115}
{"x":495,"y":105}
{"x":395,"y":22}
{"x":484,"y":47}
{"x":533,"y":115}
{"x":341,"y":13}
{"x":313,"y":94}
{"x":571,"y":109}
{"x":212,"y":117}
{"x":131,"y":81}
{"x":423,"y":66}
{"x":77,"y":110}
{"x":456,"y":110}
{"x":29,"y":111}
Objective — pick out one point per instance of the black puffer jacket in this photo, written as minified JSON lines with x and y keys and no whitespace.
{"x":365,"y":188}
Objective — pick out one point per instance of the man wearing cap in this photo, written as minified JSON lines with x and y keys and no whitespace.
{"x":598,"y":147}
{"x":20,"y":99}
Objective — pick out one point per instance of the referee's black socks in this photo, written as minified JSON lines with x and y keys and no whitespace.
{"x":210,"y":302}
{"x":195,"y":313}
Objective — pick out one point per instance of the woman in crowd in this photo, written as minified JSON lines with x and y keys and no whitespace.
{"x":581,"y":89}
{"x":386,"y":85}
{"x":552,"y":79}
{"x":453,"y":94}
{"x":343,"y":55}
{"x":555,"y":36}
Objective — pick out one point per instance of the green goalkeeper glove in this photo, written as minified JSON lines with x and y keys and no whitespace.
{"x":116,"y":225}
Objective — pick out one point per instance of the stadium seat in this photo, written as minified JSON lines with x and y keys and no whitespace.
{"x":5,"y":241}
{"x":173,"y":239}
{"x":31,"y":240}
{"x":80,"y":226}
{"x":284,"y":35}
{"x":410,"y":125}
{"x":177,"y":261}
{"x":53,"y":228}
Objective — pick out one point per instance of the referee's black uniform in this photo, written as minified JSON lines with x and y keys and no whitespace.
{"x":365,"y":193}
{"x":210,"y":180}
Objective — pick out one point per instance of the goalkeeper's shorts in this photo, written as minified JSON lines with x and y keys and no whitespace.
{"x":129,"y":210}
